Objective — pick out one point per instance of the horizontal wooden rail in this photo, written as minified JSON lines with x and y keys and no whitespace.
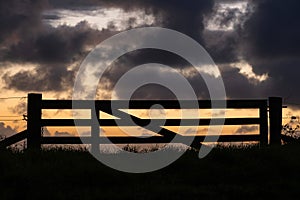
{"x":148,"y":140}
{"x":145,"y":122}
{"x":13,"y":139}
{"x":146,"y":104}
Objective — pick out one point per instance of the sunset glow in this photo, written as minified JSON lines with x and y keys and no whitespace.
{"x":43,"y":54}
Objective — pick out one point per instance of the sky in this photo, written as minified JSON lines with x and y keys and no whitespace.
{"x":255,"y":44}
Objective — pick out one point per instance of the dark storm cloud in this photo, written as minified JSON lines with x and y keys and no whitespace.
{"x":151,"y":91}
{"x":225,"y":40}
{"x":24,"y":38}
{"x":54,"y":45}
{"x":269,"y":41}
{"x":284,"y":76}
{"x":222,"y":46}
{"x":19,"y":19}
{"x":183,"y":16}
{"x":140,"y":57}
{"x":238,"y":86}
{"x":273,"y":30}
{"x":55,"y":48}
{"x":44,"y":78}
{"x":271,"y":44}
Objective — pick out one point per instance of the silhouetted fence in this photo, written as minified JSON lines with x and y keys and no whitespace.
{"x":35,"y":121}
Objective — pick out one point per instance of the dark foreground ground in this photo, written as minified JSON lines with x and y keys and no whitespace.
{"x":229,"y":173}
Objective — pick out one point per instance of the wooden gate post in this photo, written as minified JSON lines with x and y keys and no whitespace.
{"x":34,"y":115}
{"x":263,"y":126}
{"x":275,"y":115}
{"x":95,"y":130}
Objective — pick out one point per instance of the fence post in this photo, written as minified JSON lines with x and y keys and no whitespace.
{"x":263,"y":126}
{"x":275,"y":115}
{"x":95,"y":130}
{"x":34,"y":114}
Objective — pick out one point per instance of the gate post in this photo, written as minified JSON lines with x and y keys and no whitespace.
{"x":95,"y":131}
{"x":34,"y":121}
{"x":263,"y":126}
{"x":275,"y":115}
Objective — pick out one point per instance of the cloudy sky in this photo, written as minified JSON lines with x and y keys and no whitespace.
{"x":255,"y":43}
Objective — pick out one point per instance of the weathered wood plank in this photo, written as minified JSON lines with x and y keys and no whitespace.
{"x":145,"y":122}
{"x":263,"y":127}
{"x":275,"y":114}
{"x":13,"y":139}
{"x":148,"y":140}
{"x":146,"y":104}
{"x":34,"y":112}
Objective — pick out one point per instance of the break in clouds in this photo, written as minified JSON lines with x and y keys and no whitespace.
{"x":254,"y":42}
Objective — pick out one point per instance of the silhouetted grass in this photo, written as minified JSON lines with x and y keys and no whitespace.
{"x":226,"y":173}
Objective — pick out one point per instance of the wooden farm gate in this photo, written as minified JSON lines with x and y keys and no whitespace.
{"x":35,"y":122}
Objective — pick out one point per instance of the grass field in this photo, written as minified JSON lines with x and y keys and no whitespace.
{"x":226,"y":173}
